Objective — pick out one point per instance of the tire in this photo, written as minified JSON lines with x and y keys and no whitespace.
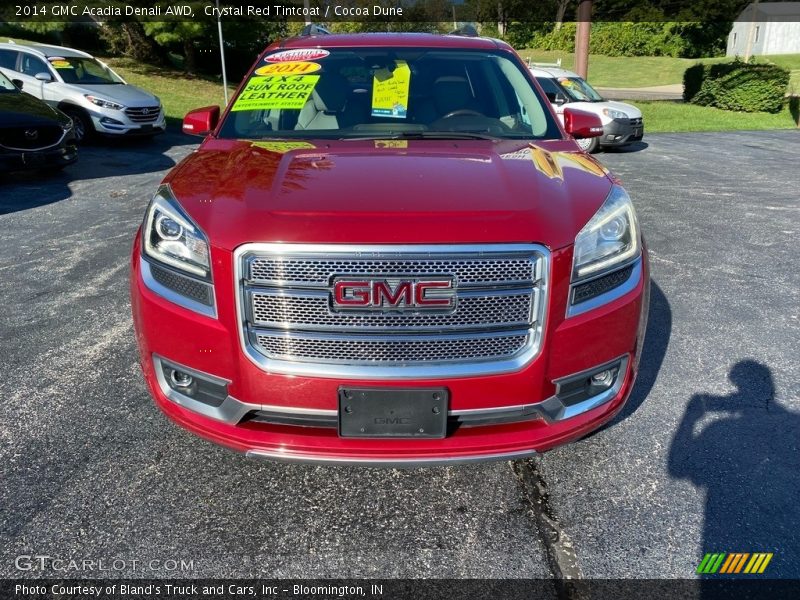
{"x":589,"y":145}
{"x":82,"y":124}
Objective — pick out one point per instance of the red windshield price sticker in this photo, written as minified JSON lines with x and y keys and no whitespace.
{"x":299,"y":55}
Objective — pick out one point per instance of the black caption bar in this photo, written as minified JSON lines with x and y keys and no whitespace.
{"x":379,"y":11}
{"x":398,"y":589}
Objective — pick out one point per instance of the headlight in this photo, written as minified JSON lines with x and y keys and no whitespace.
{"x":614,"y":114}
{"x":103,"y":103}
{"x":609,"y":239}
{"x":170,"y":236}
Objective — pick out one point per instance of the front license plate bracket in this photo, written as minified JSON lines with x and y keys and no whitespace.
{"x":393,"y":412}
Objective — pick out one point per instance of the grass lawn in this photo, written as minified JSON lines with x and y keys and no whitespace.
{"x":666,"y":116}
{"x":648,"y":71}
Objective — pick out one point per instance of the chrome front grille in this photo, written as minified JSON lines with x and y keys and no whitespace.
{"x":276,"y":309}
{"x":147,"y":114}
{"x":395,"y":349}
{"x":289,"y":323}
{"x":317,"y":272}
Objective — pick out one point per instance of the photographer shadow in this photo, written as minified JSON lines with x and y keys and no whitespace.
{"x":744,"y":449}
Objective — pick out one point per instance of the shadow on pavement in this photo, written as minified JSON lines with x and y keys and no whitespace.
{"x":656,"y":341}
{"x":634,"y":147}
{"x":744,"y":450}
{"x":96,"y":160}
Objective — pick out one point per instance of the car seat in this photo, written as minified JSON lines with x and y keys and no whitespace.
{"x":326,"y":106}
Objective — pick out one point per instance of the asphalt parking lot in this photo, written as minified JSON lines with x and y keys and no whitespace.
{"x":704,"y":458}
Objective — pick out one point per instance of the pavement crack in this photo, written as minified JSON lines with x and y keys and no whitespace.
{"x":559,"y":549}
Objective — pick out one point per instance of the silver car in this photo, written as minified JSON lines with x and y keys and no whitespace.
{"x":97,"y":99}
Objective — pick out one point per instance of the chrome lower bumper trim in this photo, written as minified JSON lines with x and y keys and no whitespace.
{"x":232,"y":411}
{"x":397,"y":463}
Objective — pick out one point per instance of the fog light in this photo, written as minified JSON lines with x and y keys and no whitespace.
{"x":603,"y":378}
{"x":181,"y":379}
{"x":595,"y":383}
{"x":182,"y":383}
{"x":110,"y":121}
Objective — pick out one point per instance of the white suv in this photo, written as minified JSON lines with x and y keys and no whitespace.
{"x":95,"y":97}
{"x":622,"y":123}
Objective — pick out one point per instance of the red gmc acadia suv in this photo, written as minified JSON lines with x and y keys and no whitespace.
{"x":388,"y":251}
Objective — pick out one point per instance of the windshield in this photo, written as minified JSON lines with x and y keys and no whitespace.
{"x":6,"y":85}
{"x":579,"y":89}
{"x":357,"y":93}
{"x":86,"y":71}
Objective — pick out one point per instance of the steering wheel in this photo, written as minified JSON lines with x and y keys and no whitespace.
{"x":463,"y":112}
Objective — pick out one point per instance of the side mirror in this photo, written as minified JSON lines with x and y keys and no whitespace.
{"x":46,"y":77}
{"x":201,"y":121}
{"x":580,"y":124}
{"x":560,"y":99}
{"x":18,"y":83}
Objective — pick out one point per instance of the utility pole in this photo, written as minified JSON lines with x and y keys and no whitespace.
{"x":222,"y":54}
{"x":582,"y":37}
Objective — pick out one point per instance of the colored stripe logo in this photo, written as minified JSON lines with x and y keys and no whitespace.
{"x":729,"y":563}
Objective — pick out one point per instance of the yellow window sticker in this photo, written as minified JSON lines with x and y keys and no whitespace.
{"x":391,"y":143}
{"x":289,"y":92}
{"x":282,"y":147}
{"x":390,"y":91}
{"x":289,"y":68}
{"x":61,"y":64}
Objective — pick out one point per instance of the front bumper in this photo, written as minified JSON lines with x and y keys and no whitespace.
{"x":117,"y":123}
{"x":620,"y":132}
{"x":53,"y":158}
{"x":528,"y":397}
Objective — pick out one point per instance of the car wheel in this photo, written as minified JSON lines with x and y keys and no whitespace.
{"x":81,"y":124}
{"x":589,"y":145}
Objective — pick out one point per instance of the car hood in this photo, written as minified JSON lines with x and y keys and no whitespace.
{"x":129,"y":95}
{"x":390,"y":192}
{"x":597,"y":108}
{"x":21,"y":110}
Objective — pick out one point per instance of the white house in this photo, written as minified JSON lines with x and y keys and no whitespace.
{"x":773,"y":26}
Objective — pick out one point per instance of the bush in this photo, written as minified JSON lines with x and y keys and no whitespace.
{"x":738,"y":86}
{"x":520,"y":35}
{"x":563,"y":39}
{"x":641,"y":38}
{"x":692,"y":81}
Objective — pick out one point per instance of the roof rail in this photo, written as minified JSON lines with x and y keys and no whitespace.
{"x":556,"y":64}
{"x":466,"y":30}
{"x":312,"y":29}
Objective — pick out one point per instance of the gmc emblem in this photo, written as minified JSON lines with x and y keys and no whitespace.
{"x":393,"y":294}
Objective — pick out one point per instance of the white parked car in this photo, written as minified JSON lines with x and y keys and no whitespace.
{"x":96,"y":99}
{"x":622,"y":123}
